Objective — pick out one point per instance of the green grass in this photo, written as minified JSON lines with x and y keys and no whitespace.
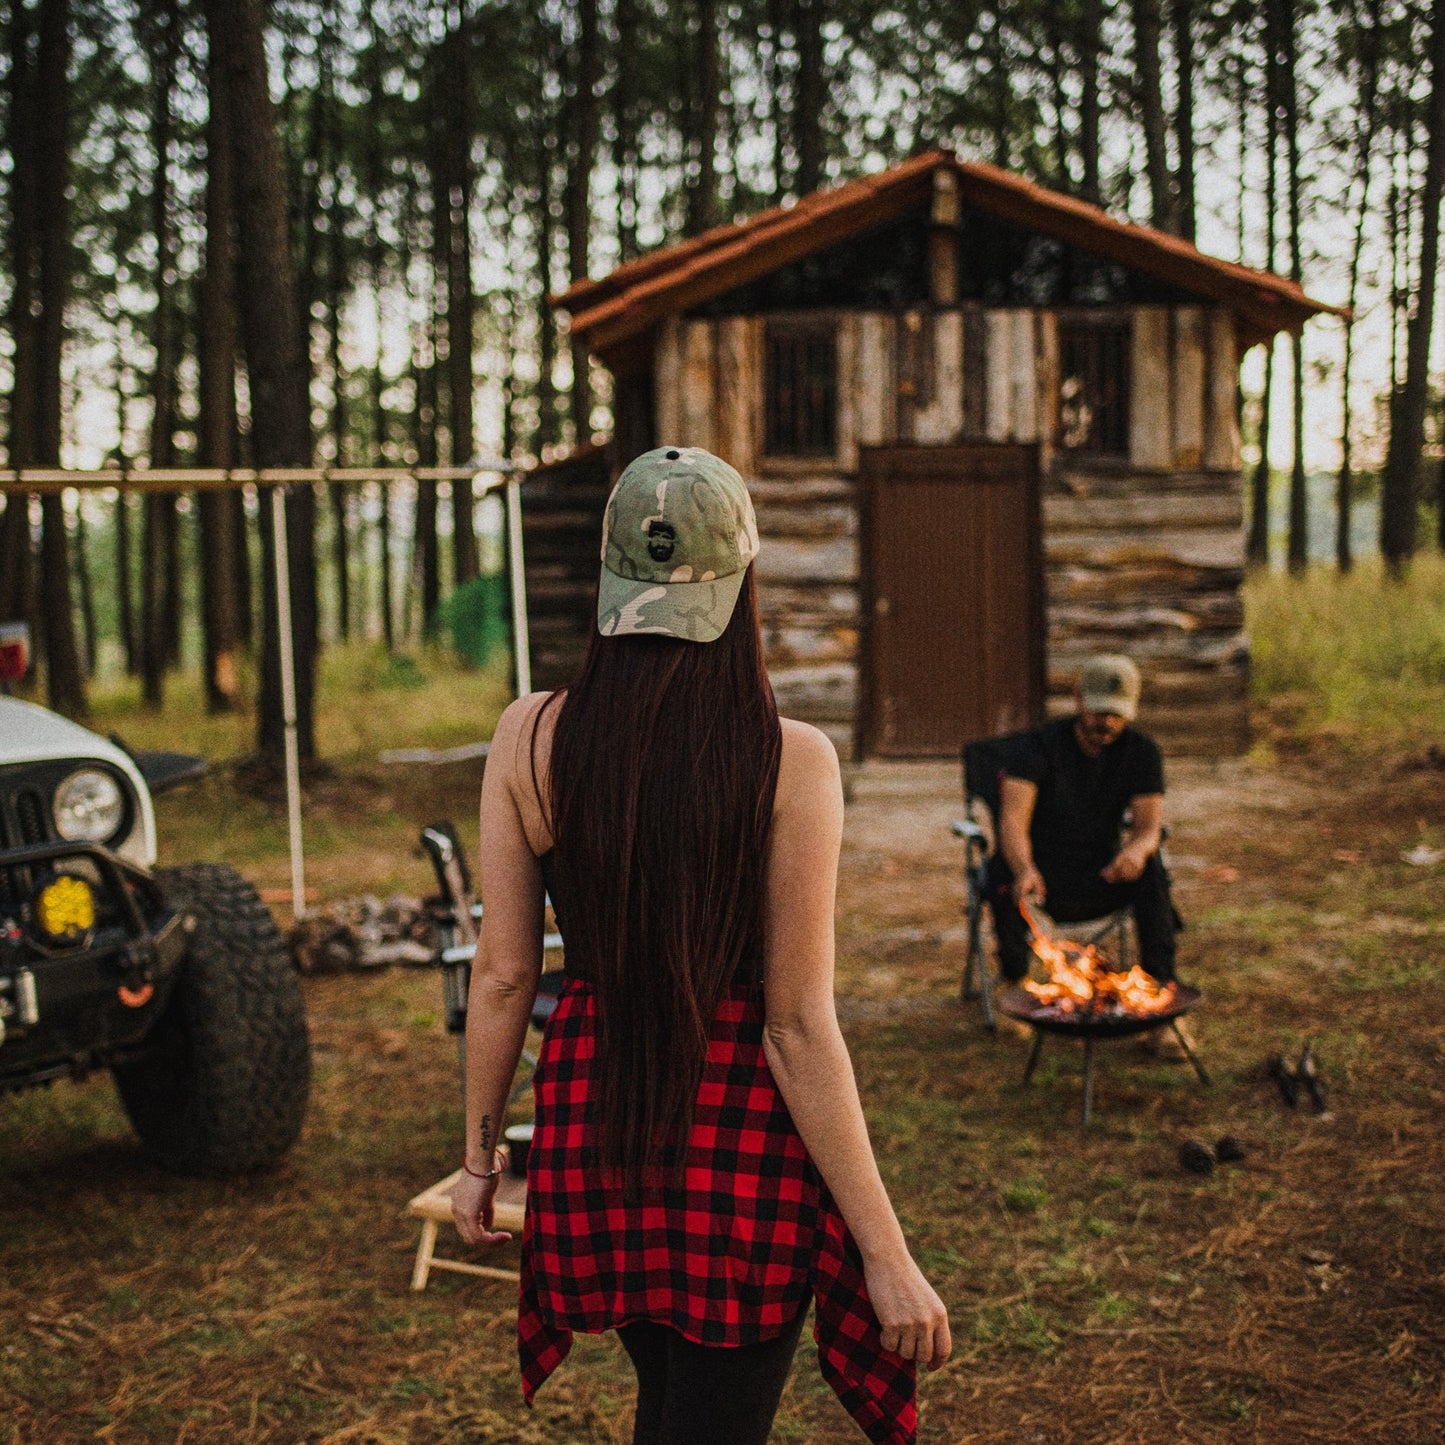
{"x":1357,"y":656}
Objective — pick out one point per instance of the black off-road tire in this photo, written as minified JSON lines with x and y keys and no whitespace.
{"x":222,"y":1088}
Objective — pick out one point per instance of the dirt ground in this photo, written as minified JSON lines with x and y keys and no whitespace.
{"x":1098,"y":1293}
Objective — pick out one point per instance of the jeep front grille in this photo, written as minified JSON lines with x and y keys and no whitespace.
{"x":24,"y":819}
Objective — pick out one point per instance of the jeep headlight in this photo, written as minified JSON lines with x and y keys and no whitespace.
{"x":89,"y":807}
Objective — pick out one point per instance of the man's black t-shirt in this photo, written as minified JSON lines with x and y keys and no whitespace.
{"x":1082,"y":800}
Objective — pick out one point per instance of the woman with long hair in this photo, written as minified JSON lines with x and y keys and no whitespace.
{"x":700,"y":1170}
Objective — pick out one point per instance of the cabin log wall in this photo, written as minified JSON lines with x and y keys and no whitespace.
{"x":1143,"y":554}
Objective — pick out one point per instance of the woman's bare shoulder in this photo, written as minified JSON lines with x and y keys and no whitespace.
{"x":808,"y":766}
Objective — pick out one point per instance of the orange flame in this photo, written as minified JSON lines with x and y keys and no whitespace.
{"x":1081,"y":981}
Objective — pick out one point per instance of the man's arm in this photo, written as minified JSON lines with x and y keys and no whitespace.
{"x":1146,"y":832}
{"x":1016,"y":811}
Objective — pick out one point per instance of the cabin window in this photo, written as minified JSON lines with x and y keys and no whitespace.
{"x":800,"y":403}
{"x":1094,"y":387}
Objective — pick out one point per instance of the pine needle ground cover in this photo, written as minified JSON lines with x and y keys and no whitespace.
{"x":1098,"y":1292}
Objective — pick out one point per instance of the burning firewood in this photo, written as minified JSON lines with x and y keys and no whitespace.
{"x":1082,"y":981}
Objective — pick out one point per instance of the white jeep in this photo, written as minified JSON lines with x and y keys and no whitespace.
{"x":176,"y":979}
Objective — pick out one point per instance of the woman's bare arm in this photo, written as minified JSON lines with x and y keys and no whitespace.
{"x":508,"y":962}
{"x":805,"y":1049}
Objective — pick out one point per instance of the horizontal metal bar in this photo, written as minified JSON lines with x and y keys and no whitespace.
{"x":189,"y":479}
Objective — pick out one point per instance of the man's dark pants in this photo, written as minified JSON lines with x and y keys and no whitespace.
{"x":1072,"y":898}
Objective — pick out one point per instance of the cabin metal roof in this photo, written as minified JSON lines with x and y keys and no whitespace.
{"x":634,"y":297}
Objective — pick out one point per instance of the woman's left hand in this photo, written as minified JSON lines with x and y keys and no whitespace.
{"x":472,"y":1203}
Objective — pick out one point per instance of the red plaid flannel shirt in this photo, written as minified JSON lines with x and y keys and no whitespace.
{"x":727,"y":1257}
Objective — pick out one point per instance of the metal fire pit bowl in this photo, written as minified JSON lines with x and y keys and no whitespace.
{"x":1019,"y":1004}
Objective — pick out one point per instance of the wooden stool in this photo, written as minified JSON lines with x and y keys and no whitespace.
{"x":434,"y":1206}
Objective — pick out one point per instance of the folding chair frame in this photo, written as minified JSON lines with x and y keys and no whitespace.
{"x":984,"y":764}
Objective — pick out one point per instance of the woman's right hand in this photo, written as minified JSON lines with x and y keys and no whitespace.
{"x":913,"y":1319}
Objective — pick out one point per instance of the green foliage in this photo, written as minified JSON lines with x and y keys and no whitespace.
{"x":1359,"y":655}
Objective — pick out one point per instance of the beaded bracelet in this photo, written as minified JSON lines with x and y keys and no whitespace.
{"x":491,"y":1173}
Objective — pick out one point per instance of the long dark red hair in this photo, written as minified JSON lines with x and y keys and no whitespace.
{"x":660,"y":787}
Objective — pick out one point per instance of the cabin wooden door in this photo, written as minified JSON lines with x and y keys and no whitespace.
{"x":953,"y":596}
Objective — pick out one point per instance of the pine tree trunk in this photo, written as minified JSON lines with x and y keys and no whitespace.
{"x":375,"y":263}
{"x":1400,"y":500}
{"x":1298,"y":540}
{"x":65,"y":682}
{"x":702,"y":198}
{"x":1257,"y":547}
{"x":579,"y":194}
{"x":276,"y":358}
{"x":1162,"y":211}
{"x":158,"y":547}
{"x":1089,"y":107}
{"x":87,"y":594}
{"x":811,"y":95}
{"x":336,"y":279}
{"x":18,"y":600}
{"x":124,"y":589}
{"x":1369,"y":33}
{"x":1183,"y":17}
{"x":456,"y":195}
{"x":546,"y":322}
{"x":223,"y":598}
{"x":624,"y":140}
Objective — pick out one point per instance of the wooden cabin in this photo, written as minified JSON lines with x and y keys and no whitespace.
{"x":989,"y":430}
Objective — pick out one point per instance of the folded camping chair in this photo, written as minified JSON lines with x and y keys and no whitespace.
{"x":984,"y":766}
{"x":457,"y":914}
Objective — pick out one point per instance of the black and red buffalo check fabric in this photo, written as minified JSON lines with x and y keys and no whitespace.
{"x":726,"y":1257}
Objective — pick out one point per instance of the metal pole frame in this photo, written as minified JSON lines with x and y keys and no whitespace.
{"x":287,"y":650}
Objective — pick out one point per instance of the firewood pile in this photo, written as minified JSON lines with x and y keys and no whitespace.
{"x":364,"y":933}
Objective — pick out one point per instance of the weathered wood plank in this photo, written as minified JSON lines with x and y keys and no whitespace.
{"x":668,"y":372}
{"x":875,"y":384}
{"x":1080,"y":481}
{"x":1221,"y":419}
{"x":847,"y":393}
{"x":699,"y":395}
{"x":1197,"y":547}
{"x":738,"y":395}
{"x":793,"y":490}
{"x":1201,"y":612}
{"x":822,"y":692}
{"x":975,"y":372}
{"x":1144,"y":509}
{"x":792,"y":559}
{"x":998,"y":371}
{"x":1068,"y":654}
{"x":790,"y":643}
{"x":819,"y":605}
{"x":913,"y":367}
{"x":1131,"y":585}
{"x":1207,"y":730}
{"x":941,"y":419}
{"x":1024,"y":378}
{"x":1046,"y":367}
{"x":1189,"y":381}
{"x":807,"y":519}
{"x":1149,"y":427}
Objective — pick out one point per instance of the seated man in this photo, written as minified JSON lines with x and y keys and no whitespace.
{"x":1062,"y":810}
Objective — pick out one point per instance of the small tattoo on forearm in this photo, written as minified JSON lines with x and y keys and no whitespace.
{"x":486,"y":1133}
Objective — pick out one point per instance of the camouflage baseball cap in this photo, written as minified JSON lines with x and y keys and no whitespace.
{"x":1110,"y":684}
{"x":677,"y":537}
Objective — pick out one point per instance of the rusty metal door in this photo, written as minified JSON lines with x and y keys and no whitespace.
{"x":953,"y":596}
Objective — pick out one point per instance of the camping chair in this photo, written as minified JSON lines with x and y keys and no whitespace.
{"x":984,"y":766}
{"x":457,"y":914}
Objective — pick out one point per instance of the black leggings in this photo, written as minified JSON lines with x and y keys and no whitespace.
{"x":691,"y":1394}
